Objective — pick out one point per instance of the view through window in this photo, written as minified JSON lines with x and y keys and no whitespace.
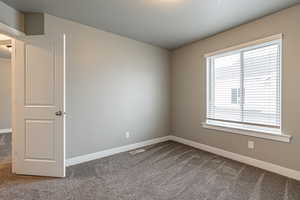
{"x":244,"y":86}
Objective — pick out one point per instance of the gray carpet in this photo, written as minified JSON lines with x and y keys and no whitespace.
{"x":166,"y":171}
{"x":5,"y":148}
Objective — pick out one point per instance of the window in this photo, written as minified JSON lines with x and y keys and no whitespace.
{"x":244,"y":87}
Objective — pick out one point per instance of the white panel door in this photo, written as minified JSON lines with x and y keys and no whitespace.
{"x":38,"y":113}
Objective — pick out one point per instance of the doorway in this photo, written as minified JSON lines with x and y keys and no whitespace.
{"x":5,"y":100}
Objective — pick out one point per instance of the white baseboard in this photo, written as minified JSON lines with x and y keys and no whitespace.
{"x":240,"y":158}
{"x":8,"y":130}
{"x":109,"y":152}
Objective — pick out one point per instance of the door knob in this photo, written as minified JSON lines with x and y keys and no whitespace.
{"x":59,"y":113}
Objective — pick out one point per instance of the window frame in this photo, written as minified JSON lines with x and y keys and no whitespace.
{"x":277,"y":133}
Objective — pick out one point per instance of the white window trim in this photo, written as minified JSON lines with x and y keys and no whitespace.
{"x":265,"y":135}
{"x":277,"y":136}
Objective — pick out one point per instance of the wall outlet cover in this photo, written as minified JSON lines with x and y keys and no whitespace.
{"x":250,"y":144}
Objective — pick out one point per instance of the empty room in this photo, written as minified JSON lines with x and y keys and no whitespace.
{"x":149,"y":100}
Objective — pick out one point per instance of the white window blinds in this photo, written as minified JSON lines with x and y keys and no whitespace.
{"x":244,"y":86}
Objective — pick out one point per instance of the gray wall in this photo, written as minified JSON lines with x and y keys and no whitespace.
{"x":11,"y":17}
{"x":188,"y":93}
{"x":113,"y":84}
{"x":5,"y":93}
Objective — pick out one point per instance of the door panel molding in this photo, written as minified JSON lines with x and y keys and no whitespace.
{"x":35,"y":148}
{"x":36,"y":91}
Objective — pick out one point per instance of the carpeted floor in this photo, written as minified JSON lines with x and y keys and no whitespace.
{"x":5,"y":148}
{"x":166,"y":171}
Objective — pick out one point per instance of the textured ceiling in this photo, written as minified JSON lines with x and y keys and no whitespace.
{"x":164,"y":23}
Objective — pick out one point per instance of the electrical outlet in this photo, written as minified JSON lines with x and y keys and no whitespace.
{"x":127,"y":134}
{"x":250,"y":144}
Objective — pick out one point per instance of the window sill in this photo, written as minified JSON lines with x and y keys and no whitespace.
{"x":259,"y":134}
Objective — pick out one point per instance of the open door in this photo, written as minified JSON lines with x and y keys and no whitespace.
{"x":39,"y":106}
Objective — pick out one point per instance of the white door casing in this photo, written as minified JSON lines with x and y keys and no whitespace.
{"x":39,"y":106}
